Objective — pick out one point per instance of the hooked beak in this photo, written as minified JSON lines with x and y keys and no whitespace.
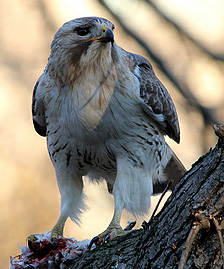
{"x":107,"y":36}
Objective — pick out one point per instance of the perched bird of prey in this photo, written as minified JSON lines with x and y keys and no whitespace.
{"x":104,"y":113}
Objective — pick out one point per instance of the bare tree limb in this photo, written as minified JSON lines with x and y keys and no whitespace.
{"x":184,"y":33}
{"x":161,"y":245}
{"x":47,"y":18}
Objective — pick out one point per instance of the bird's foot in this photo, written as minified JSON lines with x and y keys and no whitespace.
{"x":49,"y":237}
{"x":32,"y":238}
{"x":110,"y":233}
{"x":38,"y":241}
{"x":55,"y":235}
{"x":33,"y":241}
{"x":107,"y":235}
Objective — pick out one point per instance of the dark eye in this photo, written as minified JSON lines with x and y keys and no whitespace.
{"x":82,"y":31}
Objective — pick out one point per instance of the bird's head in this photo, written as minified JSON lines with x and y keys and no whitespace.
{"x":80,"y":43}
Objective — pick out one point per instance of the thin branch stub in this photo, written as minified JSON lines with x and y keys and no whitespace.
{"x":203,"y":223}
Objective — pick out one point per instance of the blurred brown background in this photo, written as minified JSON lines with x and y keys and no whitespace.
{"x":192,"y":53}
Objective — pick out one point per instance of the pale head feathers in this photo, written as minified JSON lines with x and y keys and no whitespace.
{"x":72,"y":52}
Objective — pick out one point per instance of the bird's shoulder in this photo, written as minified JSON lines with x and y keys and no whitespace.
{"x":38,"y":108}
{"x":154,"y":97}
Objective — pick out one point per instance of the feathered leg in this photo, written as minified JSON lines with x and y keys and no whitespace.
{"x":129,"y":194}
{"x":71,"y":189}
{"x":113,"y":230}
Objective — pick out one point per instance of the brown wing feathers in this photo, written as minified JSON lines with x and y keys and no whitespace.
{"x":156,"y":99}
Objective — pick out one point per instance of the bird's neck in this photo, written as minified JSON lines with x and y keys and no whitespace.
{"x":97,"y":58}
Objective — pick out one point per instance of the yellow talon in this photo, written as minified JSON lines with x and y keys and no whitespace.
{"x":56,"y":233}
{"x":32,"y":238}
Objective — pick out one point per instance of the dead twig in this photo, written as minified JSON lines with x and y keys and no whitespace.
{"x":147,"y":224}
{"x":218,"y":229}
{"x":197,"y":226}
{"x":219,"y":129}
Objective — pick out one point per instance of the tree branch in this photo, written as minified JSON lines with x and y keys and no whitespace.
{"x":200,"y":190}
{"x":161,"y":245}
{"x":182,"y":32}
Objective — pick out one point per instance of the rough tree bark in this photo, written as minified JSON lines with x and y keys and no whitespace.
{"x":186,"y":233}
{"x":196,"y":205}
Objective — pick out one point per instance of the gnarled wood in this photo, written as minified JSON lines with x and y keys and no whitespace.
{"x":201,"y":190}
{"x":197,"y":202}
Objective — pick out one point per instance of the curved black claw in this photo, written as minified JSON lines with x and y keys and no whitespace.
{"x":54,"y":241}
{"x":145,"y":225}
{"x":130,"y":226}
{"x":30,"y":244}
{"x":94,"y":240}
{"x":106,"y":239}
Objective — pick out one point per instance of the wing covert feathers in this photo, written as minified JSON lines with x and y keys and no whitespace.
{"x":156,"y":101}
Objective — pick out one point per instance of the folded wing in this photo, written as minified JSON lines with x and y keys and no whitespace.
{"x":38,"y":110}
{"x":156,"y":101}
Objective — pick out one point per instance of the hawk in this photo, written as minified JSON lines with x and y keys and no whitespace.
{"x":105,"y":114}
